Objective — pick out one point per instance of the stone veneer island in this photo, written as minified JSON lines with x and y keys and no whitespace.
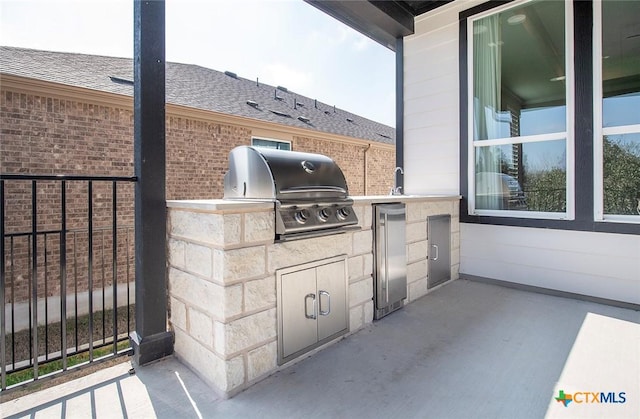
{"x":222,"y":270}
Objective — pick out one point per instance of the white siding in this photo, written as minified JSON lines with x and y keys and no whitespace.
{"x":596,"y":264}
{"x":431,"y":105}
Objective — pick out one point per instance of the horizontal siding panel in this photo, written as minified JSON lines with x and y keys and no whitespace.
{"x":597,"y":286}
{"x":416,"y":136}
{"x":420,"y":43}
{"x":614,"y":245}
{"x":443,"y":15}
{"x":597,"y":264}
{"x":429,"y":84}
{"x":433,"y":117}
{"x":427,"y":61}
{"x":434,"y":183}
{"x":566,"y":260}
{"x":429,"y":103}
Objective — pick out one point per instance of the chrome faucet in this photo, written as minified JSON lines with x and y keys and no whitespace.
{"x":397,"y":190}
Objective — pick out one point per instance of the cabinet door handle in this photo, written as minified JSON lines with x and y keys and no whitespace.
{"x":324,"y":313}
{"x":306,"y":313}
{"x":435,"y":246}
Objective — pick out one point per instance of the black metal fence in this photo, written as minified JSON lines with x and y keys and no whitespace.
{"x":66,"y":273}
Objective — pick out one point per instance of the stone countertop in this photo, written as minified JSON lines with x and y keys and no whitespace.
{"x":229,"y":204}
{"x":378,"y":199}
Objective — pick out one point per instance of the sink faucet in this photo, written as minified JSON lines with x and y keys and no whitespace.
{"x":397,"y":190}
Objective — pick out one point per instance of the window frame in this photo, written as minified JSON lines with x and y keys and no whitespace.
{"x":271,"y":140}
{"x":599,"y":131}
{"x":567,"y":135}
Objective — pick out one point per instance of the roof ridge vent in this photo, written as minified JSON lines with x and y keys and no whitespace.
{"x":231,"y":74}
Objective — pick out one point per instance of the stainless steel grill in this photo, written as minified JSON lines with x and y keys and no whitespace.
{"x":309,"y":190}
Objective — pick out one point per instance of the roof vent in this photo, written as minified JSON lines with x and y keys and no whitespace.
{"x":349,"y":120}
{"x":230,"y":74}
{"x":327,"y":113}
{"x":286,"y":115}
{"x":304,"y":119}
{"x":384,"y":136}
{"x":252,"y":103}
{"x":284,"y":89}
{"x":121,"y":80}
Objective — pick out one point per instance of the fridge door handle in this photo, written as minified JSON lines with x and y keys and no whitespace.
{"x":306,"y":305}
{"x":320,"y":312}
{"x":386,"y":256}
{"x":435,"y":246}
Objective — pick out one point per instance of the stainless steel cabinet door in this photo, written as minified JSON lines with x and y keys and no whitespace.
{"x":299,"y":311}
{"x":439,"y":239}
{"x":391,"y":255}
{"x":332,"y":303}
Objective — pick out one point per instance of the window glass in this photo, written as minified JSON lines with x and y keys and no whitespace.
{"x":522,"y":177}
{"x":519,"y":102}
{"x":620,"y":63}
{"x":279,"y":145}
{"x":622,"y":174}
{"x":519,"y":72}
{"x":621,"y":108}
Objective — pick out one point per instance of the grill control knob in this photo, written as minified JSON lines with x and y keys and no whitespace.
{"x":324,"y":214}
{"x":343,"y":213}
{"x":302,"y":216}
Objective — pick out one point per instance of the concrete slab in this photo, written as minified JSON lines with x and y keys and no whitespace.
{"x":467,"y":350}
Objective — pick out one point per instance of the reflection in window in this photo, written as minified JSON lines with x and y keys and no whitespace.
{"x":518,"y":69}
{"x":621,"y":108}
{"x":518,"y":90}
{"x":278,"y":145}
{"x":522,"y":177}
{"x":622,"y":174}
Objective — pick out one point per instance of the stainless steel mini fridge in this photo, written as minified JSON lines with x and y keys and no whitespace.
{"x":390,"y":275}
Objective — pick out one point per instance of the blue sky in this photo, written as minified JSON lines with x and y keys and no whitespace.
{"x":281,"y":42}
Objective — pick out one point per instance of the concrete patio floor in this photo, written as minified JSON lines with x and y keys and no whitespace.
{"x":467,"y":350}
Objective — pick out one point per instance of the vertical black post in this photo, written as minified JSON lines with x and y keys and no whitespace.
{"x":400,"y":111}
{"x":150,"y":340}
{"x":3,"y":349}
{"x":583,"y":51}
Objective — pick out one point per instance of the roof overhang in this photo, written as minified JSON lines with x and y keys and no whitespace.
{"x":382,"y":21}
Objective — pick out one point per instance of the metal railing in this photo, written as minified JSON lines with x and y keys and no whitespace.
{"x":67,"y":246}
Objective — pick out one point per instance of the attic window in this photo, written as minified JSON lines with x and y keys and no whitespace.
{"x":286,"y":115}
{"x":252,"y":103}
{"x":231,"y":74}
{"x":304,"y":119}
{"x":121,"y":80}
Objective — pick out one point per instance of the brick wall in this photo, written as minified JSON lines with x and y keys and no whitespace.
{"x":47,"y":135}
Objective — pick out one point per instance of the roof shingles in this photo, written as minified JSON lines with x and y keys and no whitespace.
{"x":197,"y":87}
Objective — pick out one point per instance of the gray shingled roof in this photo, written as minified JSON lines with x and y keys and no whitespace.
{"x":194,"y":86}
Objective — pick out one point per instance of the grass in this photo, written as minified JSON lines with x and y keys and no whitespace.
{"x":51,"y":367}
{"x":19,"y":345}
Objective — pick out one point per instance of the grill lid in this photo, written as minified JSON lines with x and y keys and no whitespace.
{"x":287,"y":176}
